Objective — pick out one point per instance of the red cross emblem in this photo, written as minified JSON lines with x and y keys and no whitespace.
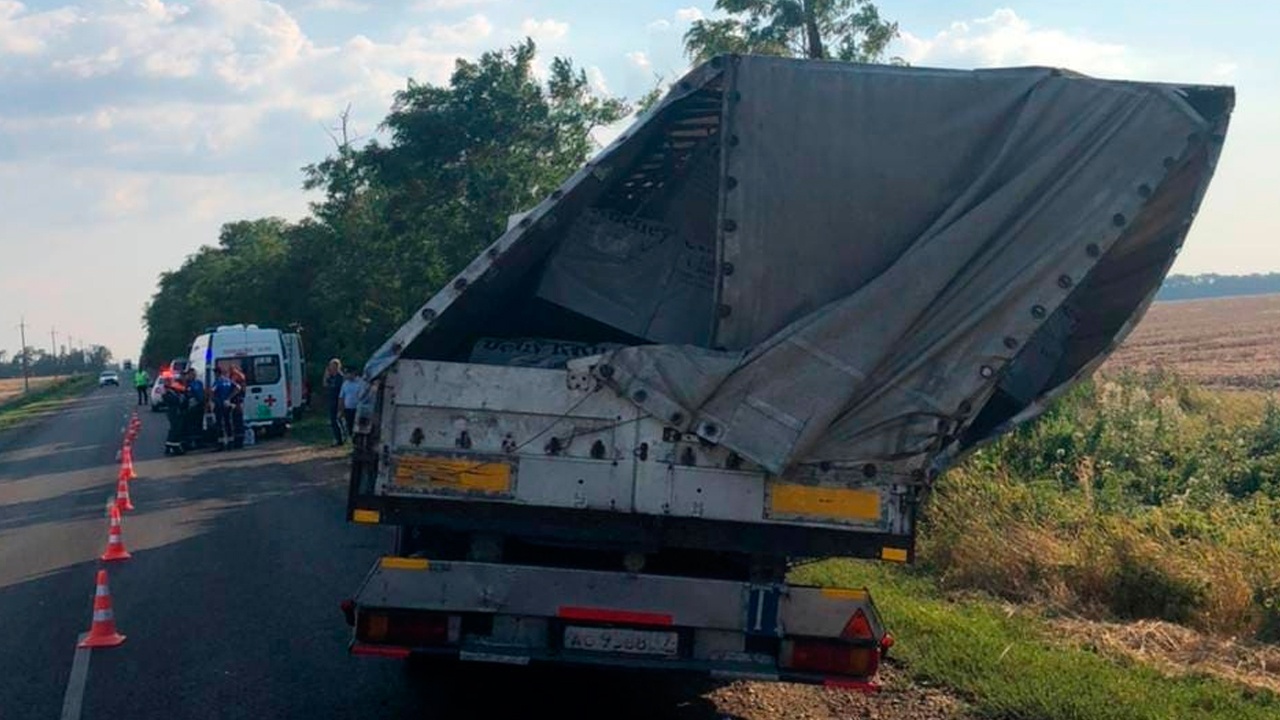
{"x":270,"y":401}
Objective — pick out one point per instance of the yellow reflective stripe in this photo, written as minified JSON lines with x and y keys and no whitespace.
{"x":404,"y":563}
{"x":844,"y":594}
{"x":823,"y":502}
{"x":371,"y":517}
{"x":454,"y":474}
{"x":893,"y":554}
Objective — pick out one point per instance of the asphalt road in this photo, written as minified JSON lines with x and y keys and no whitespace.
{"x":230,"y":602}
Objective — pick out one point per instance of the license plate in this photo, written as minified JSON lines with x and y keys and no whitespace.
{"x":626,"y":642}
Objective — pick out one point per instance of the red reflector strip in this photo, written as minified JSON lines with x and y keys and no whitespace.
{"x":858,"y":685}
{"x":380,"y":651}
{"x":615,"y":616}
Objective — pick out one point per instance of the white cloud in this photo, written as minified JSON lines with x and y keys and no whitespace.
{"x":353,"y":6}
{"x":450,"y":4}
{"x":1004,"y":39}
{"x":544,"y":31}
{"x":1225,"y":70}
{"x":659,"y":25}
{"x":27,"y":33}
{"x":689,"y":15}
{"x":595,"y":76}
{"x":640,"y":60}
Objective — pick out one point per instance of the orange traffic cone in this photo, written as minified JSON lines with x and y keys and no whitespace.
{"x":126,"y":462}
{"x":115,"y":544}
{"x":103,"y":631}
{"x":122,"y":491}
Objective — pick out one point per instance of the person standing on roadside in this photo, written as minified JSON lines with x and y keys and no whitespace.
{"x":142,"y":381}
{"x":349,"y":396}
{"x":333,"y":395}
{"x":221,"y":391}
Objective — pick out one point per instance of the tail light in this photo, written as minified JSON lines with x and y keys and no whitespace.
{"x":855,"y":654}
{"x":830,"y":657}
{"x":407,"y":629}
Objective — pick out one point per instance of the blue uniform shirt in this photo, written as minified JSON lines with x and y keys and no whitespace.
{"x":196,"y":388}
{"x":222,"y":389}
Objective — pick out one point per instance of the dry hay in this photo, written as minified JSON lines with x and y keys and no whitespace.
{"x":1177,"y":650}
{"x":11,"y":388}
{"x":1220,"y":342}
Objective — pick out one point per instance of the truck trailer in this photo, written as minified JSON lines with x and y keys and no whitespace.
{"x":754,"y":330}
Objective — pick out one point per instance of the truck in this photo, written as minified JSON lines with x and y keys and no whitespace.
{"x":752,"y":331}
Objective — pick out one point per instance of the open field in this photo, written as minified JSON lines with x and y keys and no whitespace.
{"x":12,"y":387}
{"x":1223,"y":342}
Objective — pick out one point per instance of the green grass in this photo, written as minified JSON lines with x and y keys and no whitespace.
{"x":1006,"y":666}
{"x":44,"y":401}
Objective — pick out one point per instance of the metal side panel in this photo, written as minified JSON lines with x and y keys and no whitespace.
{"x":775,"y":610}
{"x":552,"y":438}
{"x":496,"y":388}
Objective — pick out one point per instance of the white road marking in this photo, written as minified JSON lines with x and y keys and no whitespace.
{"x":72,"y":700}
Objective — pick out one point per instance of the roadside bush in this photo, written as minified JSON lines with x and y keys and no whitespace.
{"x":1133,"y":497}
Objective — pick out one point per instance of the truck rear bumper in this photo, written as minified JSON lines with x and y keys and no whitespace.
{"x":514,"y":614}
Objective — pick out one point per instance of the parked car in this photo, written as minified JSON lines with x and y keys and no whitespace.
{"x":108,"y":377}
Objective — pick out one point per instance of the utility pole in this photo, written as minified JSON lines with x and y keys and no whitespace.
{"x":53,"y":342}
{"x":26,"y":378}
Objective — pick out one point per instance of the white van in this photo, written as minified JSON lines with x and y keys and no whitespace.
{"x":260,"y":353}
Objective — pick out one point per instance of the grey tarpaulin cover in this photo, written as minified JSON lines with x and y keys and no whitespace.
{"x":850,"y":268}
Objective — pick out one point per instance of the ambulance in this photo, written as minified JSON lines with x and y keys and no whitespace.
{"x":271,"y":395}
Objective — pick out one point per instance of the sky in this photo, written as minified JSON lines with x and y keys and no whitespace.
{"x":130,"y":130}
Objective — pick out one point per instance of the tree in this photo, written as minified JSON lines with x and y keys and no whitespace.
{"x":849,"y":30}
{"x":395,"y":219}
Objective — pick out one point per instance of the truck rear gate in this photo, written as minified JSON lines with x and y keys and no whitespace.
{"x":518,"y":614}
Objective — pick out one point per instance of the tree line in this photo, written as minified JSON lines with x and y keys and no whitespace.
{"x":42,"y":363}
{"x":397,"y":218}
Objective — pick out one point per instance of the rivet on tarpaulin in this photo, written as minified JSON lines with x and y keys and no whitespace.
{"x":733,"y":141}
{"x":735,"y":96}
{"x":606,"y":371}
{"x":987,"y":371}
{"x":1038,"y":312}
{"x":525,"y":222}
{"x":1168,"y":162}
{"x":428,"y":315}
{"x":1144,"y":190}
{"x":557,"y":194}
{"x":965,"y":408}
{"x":710,"y":429}
{"x":1010,"y":343}
{"x":1064,"y":281}
{"x":731,"y":182}
{"x":726,"y":268}
{"x":724,"y":311}
{"x":1118,"y":220}
{"x":730,"y":225}
{"x":460,"y":284}
{"x":677,"y":418}
{"x":640,"y":396}
{"x":1092,"y":250}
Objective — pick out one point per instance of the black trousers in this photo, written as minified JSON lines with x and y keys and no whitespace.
{"x":349,"y":416}
{"x":142,"y":395}
{"x":335,"y":423}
